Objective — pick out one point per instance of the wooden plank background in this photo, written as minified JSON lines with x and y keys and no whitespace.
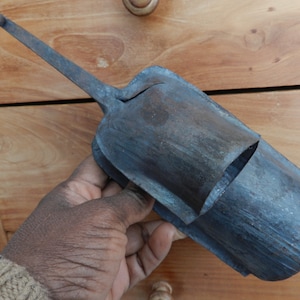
{"x":215,"y":45}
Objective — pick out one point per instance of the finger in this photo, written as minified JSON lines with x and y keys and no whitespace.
{"x":111,"y":188}
{"x":130,"y":206}
{"x":138,"y":235}
{"x":141,"y":264}
{"x":89,"y":171}
{"x":86,"y":183}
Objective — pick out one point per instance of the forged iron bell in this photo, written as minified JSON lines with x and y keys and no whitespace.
{"x":213,"y":177}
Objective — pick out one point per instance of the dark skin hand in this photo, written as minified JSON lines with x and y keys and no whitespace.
{"x":85,"y":239}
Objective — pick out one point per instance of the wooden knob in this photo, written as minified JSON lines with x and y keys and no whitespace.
{"x":140,"y":7}
{"x":161,"y":290}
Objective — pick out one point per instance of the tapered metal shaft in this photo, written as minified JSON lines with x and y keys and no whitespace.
{"x":104,"y":94}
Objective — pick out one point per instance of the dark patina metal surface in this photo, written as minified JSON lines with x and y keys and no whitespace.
{"x":212,"y":176}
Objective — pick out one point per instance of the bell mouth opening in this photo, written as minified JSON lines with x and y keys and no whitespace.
{"x":230,"y":173}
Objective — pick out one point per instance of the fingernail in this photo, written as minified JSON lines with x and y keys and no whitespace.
{"x":179,"y":235}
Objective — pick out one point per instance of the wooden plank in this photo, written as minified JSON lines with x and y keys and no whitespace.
{"x":214,"y":45}
{"x":40,"y":146}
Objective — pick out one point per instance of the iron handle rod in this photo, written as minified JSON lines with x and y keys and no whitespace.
{"x":104,"y":94}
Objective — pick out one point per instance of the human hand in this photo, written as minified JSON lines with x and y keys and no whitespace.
{"x":84,"y":240}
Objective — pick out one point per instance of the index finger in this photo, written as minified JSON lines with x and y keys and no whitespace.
{"x":88,"y":171}
{"x":87,"y":182}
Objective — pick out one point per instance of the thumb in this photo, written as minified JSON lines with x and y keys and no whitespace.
{"x":133,"y":204}
{"x":128,"y":207}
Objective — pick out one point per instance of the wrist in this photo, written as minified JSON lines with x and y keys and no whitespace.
{"x":17,"y":283}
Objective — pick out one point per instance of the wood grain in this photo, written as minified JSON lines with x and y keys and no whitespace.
{"x":41,"y":145}
{"x":213,"y":44}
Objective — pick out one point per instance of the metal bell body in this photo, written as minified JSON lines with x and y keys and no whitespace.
{"x":174,"y":142}
{"x":213,"y":177}
{"x":255,"y":225}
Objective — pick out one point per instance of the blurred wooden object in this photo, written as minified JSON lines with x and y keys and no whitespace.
{"x":141,"y":7}
{"x":229,"y":48}
{"x":161,"y":290}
